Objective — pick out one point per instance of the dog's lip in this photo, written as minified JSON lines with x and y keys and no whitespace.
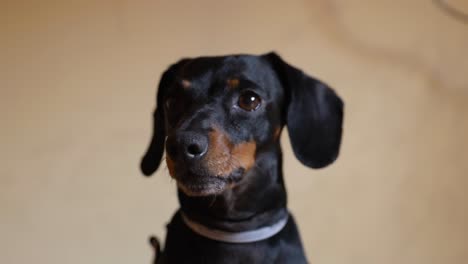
{"x":194,"y":177}
{"x":198,"y":183}
{"x":197,"y":179}
{"x":202,"y":185}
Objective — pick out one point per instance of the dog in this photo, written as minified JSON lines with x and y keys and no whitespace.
{"x":220,"y":119}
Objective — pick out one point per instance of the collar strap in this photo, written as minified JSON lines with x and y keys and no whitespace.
{"x":236,"y":237}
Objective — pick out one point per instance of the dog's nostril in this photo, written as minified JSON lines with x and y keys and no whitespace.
{"x":195,"y":149}
{"x":192,"y":145}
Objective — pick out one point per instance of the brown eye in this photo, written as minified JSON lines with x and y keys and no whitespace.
{"x":249,"y":101}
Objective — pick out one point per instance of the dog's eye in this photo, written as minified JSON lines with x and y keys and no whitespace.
{"x":249,"y":101}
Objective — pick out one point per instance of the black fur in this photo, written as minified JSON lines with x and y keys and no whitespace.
{"x":313,"y":114}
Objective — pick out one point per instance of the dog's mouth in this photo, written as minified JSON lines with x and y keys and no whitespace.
{"x":193,"y":184}
{"x":202,"y":186}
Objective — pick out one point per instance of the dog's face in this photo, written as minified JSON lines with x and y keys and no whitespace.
{"x":218,"y":112}
{"x":215,"y":114}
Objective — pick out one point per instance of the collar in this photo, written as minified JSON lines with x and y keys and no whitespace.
{"x":236,"y":237}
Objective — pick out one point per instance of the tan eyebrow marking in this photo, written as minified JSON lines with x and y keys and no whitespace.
{"x":233,"y":83}
{"x":186,"y":84}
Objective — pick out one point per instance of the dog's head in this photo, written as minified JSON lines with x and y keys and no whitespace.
{"x":215,"y":114}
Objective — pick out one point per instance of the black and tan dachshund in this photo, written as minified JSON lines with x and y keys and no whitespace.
{"x":220,"y":121}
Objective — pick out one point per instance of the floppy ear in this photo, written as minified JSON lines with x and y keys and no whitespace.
{"x":314,"y":115}
{"x":152,"y":159}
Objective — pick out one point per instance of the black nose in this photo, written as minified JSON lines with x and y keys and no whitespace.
{"x":193,"y":145}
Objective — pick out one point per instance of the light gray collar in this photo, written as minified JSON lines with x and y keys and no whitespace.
{"x":236,"y":237}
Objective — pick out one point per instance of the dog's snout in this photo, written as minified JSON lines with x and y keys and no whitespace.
{"x":193,"y":145}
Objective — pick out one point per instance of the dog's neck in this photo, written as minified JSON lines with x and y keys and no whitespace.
{"x":258,"y":200}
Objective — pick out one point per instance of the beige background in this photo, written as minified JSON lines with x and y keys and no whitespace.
{"x":78,"y":82}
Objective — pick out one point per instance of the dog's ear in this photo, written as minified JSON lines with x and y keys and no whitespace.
{"x":152,"y":159}
{"x":314,"y":115}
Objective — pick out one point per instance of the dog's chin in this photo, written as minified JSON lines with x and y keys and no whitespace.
{"x":203,"y":186}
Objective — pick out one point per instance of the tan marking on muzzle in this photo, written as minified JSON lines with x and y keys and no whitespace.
{"x":170,"y":166}
{"x":277,"y":133}
{"x":223,"y":157}
{"x":245,"y":154}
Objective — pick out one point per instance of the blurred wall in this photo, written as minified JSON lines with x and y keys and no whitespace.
{"x":77,"y":87}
